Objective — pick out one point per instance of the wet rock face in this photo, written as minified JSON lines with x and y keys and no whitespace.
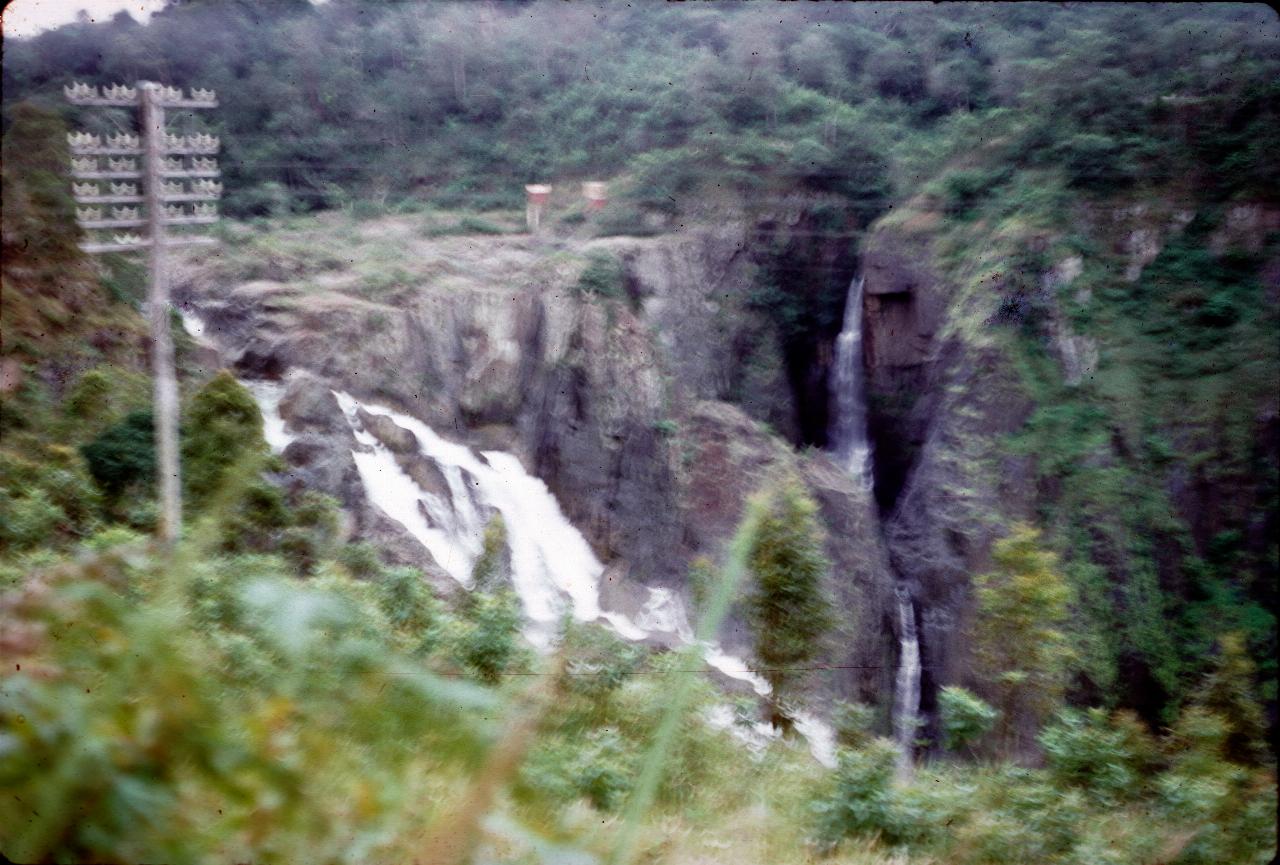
{"x":397,"y":439}
{"x":592,"y":428}
{"x":904,"y":304}
{"x":309,"y":406}
{"x":862,"y":647}
{"x":962,"y":491}
{"x":617,"y":405}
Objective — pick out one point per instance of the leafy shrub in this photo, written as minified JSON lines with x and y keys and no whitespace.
{"x":486,"y":642}
{"x":854,"y":723}
{"x":223,"y":424}
{"x":1083,"y":749}
{"x":88,"y":397}
{"x":409,"y":605}
{"x":255,"y":519}
{"x":963,"y":190}
{"x":787,"y":606}
{"x":29,"y":519}
{"x":478,"y":225}
{"x":861,"y":801}
{"x":621,"y":219}
{"x":124,"y":455}
{"x":492,"y":568}
{"x":602,"y":277}
{"x":598,"y":662}
{"x":1231,"y":808}
{"x":277,"y":715}
{"x":965,"y":718}
{"x":361,"y":559}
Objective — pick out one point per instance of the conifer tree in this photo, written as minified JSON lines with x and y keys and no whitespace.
{"x":788,"y":609}
{"x":1019,"y":643}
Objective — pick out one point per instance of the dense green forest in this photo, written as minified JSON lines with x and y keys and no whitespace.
{"x":275,"y":689}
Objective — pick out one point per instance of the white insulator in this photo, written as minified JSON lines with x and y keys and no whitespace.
{"x":172,"y":187}
{"x":125,"y":164}
{"x":120,"y":91}
{"x":88,"y":214}
{"x":202,"y":143}
{"x":174,"y":211}
{"x":124,"y":213}
{"x":84,"y":163}
{"x":77,"y":91}
{"x":207,"y":187}
{"x":174,"y":142}
{"x":205,"y":210}
{"x":83,"y":140}
{"x":123,"y":140}
{"x":201,"y":163}
{"x":85,"y":189}
{"x":128,"y":239}
{"x":173,"y":163}
{"x":202,"y":95}
{"x":124,"y":189}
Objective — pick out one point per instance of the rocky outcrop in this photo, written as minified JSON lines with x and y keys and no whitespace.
{"x":616,"y":404}
{"x":398,"y":440}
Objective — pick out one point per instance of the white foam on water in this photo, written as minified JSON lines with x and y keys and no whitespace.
{"x":906,"y":694}
{"x":757,"y":735}
{"x":820,"y":736}
{"x":553,"y":567}
{"x":192,"y":323}
{"x":268,"y":394}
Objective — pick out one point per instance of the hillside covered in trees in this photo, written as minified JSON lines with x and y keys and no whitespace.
{"x":888,"y":472}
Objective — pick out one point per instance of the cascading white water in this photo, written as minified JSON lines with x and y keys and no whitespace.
{"x":853,"y":450}
{"x":553,"y":567}
{"x":268,"y":395}
{"x":551,"y":560}
{"x":849,"y":432}
{"x":906,"y":696}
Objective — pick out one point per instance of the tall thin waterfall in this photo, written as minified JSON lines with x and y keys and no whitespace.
{"x":853,"y":450}
{"x":849,"y":433}
{"x":906,"y":695}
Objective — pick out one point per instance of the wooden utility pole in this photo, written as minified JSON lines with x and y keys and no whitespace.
{"x":168,"y":162}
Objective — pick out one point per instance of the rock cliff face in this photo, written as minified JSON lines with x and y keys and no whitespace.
{"x":618,"y":405}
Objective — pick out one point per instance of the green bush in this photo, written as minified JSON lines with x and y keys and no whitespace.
{"x":486,"y":641}
{"x":603,"y":276}
{"x":1084,"y":750}
{"x":965,"y":718}
{"x":861,"y":801}
{"x":28,"y":520}
{"x":124,"y":455}
{"x":491,"y":571}
{"x":854,"y":724}
{"x":787,"y":607}
{"x":223,"y":427}
{"x":277,"y":714}
{"x":478,"y":225}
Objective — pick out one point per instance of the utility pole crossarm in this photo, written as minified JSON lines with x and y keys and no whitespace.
{"x":175,"y":169}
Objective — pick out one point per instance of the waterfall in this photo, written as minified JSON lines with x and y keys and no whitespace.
{"x":849,"y":432}
{"x":553,"y":566}
{"x":268,"y":395}
{"x":853,"y":450}
{"x":551,"y":560}
{"x":906,"y":696}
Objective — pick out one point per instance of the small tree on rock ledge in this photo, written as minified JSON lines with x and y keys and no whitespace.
{"x":787,"y":607}
{"x":1022,"y":651}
